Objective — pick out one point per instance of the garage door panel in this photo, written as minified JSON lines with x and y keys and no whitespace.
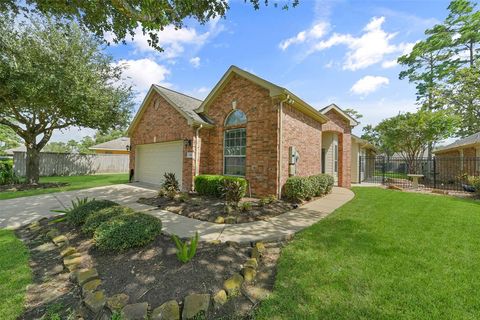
{"x":154,"y":160}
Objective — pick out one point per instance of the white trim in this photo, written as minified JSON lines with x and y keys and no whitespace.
{"x":333,"y":106}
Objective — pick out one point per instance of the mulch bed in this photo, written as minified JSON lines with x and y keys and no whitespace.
{"x":208,"y":209}
{"x":25,"y":186}
{"x":149,"y":274}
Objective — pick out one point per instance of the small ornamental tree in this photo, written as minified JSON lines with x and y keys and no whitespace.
{"x":54,"y":76}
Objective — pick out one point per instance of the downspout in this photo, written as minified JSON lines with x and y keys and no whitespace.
{"x":280,"y":144}
{"x":197,"y":153}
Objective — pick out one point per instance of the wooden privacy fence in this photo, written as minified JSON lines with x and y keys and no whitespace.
{"x":65,"y":164}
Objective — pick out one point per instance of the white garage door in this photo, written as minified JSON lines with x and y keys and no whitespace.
{"x":152,"y":161}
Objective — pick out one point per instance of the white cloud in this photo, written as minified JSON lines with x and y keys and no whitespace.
{"x":317,"y":31}
{"x":369,"y":84}
{"x":373,"y":46}
{"x":174,"y":40}
{"x":389,"y":64}
{"x":142,"y":73}
{"x":195,"y":62}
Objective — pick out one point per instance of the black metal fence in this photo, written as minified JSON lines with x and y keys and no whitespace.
{"x":450,"y":173}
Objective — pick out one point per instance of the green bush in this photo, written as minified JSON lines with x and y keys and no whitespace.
{"x":127,"y":231}
{"x":210,"y":185}
{"x":305,"y":188}
{"x":186,"y":250}
{"x":78,"y":215}
{"x":94,"y":220}
{"x":7,"y":174}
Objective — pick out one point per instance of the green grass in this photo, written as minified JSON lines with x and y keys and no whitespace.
{"x":15,"y":275}
{"x":384,"y":255}
{"x":74,"y":183}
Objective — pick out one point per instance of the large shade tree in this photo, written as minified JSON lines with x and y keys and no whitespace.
{"x":121,"y":18}
{"x":8,"y":139}
{"x":54,"y":76}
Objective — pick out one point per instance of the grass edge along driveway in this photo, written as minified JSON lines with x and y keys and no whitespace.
{"x":74,"y":183}
{"x":384,"y":255}
{"x":15,"y":275}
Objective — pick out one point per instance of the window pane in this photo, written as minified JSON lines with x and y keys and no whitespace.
{"x":236,"y":117}
{"x":235,"y":166}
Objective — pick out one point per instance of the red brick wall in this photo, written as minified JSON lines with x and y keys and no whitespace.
{"x":305,"y":134}
{"x":163,"y":124}
{"x":262,"y":119}
{"x":342,"y":126}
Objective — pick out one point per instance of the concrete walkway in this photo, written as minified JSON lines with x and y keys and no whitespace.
{"x":16,"y":212}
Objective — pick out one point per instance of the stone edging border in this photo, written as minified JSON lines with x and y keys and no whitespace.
{"x":193,"y":305}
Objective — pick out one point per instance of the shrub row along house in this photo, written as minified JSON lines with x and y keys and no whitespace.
{"x":245,"y":127}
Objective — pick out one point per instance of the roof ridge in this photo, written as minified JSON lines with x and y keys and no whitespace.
{"x":177,"y":92}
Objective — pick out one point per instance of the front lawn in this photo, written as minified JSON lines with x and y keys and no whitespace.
{"x":15,"y":275}
{"x":74,"y":183}
{"x":385,"y":255}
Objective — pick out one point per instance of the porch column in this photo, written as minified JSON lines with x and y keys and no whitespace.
{"x":344,"y":165}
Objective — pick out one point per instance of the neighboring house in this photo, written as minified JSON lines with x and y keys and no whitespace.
{"x":116,"y":146}
{"x":245,"y":127}
{"x":363,"y":159}
{"x":460,"y":157}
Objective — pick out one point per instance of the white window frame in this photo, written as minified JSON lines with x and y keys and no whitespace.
{"x":234,"y":156}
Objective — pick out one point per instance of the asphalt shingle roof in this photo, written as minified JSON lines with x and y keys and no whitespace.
{"x":185,"y":103}
{"x":115,"y":144}
{"x":473,"y":139}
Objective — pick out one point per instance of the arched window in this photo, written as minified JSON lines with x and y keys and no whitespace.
{"x":236,"y":117}
{"x":235,"y":145}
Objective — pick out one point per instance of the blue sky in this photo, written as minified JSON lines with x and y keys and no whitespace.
{"x":324,"y":51}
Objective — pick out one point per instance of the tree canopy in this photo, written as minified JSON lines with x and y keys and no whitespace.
{"x":445,"y":66}
{"x":410,"y":134}
{"x":122,"y":17}
{"x":53,"y":76}
{"x":8,"y":139}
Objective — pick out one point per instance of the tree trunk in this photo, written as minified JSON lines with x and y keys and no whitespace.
{"x":33,"y":165}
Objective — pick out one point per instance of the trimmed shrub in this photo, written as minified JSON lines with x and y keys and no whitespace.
{"x":78,"y":215}
{"x":322,"y":184}
{"x":210,"y":185}
{"x":299,"y":188}
{"x":93,"y":221}
{"x":305,"y":188}
{"x":127,"y":231}
{"x":475,"y":182}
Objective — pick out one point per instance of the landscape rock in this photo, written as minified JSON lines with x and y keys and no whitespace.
{"x":117,"y":301}
{"x":252,"y":263}
{"x":249,"y":274}
{"x":219,"y":220}
{"x":260,"y":247}
{"x":233,"y":285}
{"x":255,"y":254}
{"x":256,"y":294}
{"x":232,"y":244}
{"x":230,"y":220}
{"x":68,"y":251}
{"x":91,"y":286}
{"x":220,"y":298}
{"x":83,"y":276}
{"x":60,"y":240}
{"x":54,"y":271}
{"x":167,"y":311}
{"x":394,"y":187}
{"x":215,"y":241}
{"x":52,"y":233}
{"x":95,"y":301}
{"x":136,"y":311}
{"x":194,"y":304}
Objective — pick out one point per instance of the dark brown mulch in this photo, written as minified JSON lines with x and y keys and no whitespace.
{"x":208,"y":209}
{"x":25,"y":186}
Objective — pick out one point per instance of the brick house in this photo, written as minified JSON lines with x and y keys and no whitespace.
{"x":459,"y":158}
{"x":246,"y":127}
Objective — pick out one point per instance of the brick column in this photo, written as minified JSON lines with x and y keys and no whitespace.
{"x":344,"y":165}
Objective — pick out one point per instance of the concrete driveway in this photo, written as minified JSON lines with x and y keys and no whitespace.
{"x":21,"y":211}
